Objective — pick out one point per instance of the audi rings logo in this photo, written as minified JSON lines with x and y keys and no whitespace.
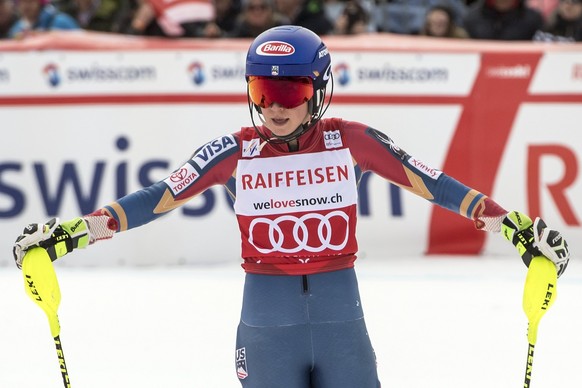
{"x":179,"y":175}
{"x":332,"y":139}
{"x":330,"y":136}
{"x":300,"y":237}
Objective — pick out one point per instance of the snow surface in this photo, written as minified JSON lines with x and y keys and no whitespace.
{"x":434,"y":322}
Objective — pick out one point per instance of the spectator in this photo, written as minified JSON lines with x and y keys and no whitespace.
{"x":502,"y":20}
{"x":184,"y":18}
{"x":566,"y":21}
{"x":256,"y":17}
{"x":354,"y":19}
{"x":546,"y":7}
{"x":143,"y":21}
{"x":440,"y":22}
{"x":98,"y":15}
{"x":227,"y":13}
{"x":306,"y":13}
{"x":7,"y":17}
{"x":408,"y":16}
{"x":40,"y":15}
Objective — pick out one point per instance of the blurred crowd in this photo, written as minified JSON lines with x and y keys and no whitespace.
{"x":511,"y":20}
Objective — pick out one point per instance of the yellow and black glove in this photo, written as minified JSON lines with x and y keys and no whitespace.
{"x":57,"y":238}
{"x":535,"y":239}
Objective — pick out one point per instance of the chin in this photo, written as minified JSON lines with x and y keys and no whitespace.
{"x":278,"y":131}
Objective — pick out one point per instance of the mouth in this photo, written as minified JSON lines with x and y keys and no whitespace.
{"x":280,"y":121}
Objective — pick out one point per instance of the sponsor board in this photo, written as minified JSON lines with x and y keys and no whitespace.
{"x":525,"y":154}
{"x":404,"y":73}
{"x":558,"y":73}
{"x":57,"y":73}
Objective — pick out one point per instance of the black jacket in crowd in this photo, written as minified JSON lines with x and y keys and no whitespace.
{"x":483,"y":21}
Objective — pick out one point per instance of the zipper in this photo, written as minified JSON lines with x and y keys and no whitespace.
{"x":305,"y":284}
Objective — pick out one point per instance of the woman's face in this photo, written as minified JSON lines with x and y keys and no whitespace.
{"x":258,"y":13}
{"x":437,"y":23}
{"x":283,"y":101}
{"x":570,"y":9}
{"x":6,"y":11}
{"x":29,"y":9}
{"x":282,"y":121}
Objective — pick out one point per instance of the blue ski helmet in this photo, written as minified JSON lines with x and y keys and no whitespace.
{"x":289,"y":51}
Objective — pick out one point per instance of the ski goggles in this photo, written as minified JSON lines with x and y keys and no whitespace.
{"x":289,"y":92}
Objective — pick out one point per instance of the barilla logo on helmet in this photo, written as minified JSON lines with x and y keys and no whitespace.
{"x":275,"y":48}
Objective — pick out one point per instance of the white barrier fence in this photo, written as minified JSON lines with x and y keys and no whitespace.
{"x":88,"y":118}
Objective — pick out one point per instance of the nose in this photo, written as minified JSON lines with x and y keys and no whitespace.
{"x":277,"y":106}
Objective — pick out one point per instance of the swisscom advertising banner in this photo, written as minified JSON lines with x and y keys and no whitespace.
{"x":86,"y":120}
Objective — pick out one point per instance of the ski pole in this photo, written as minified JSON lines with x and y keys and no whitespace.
{"x":41,"y":285}
{"x":539,"y":294}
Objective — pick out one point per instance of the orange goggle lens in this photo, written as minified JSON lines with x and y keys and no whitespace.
{"x":287,"y":92}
